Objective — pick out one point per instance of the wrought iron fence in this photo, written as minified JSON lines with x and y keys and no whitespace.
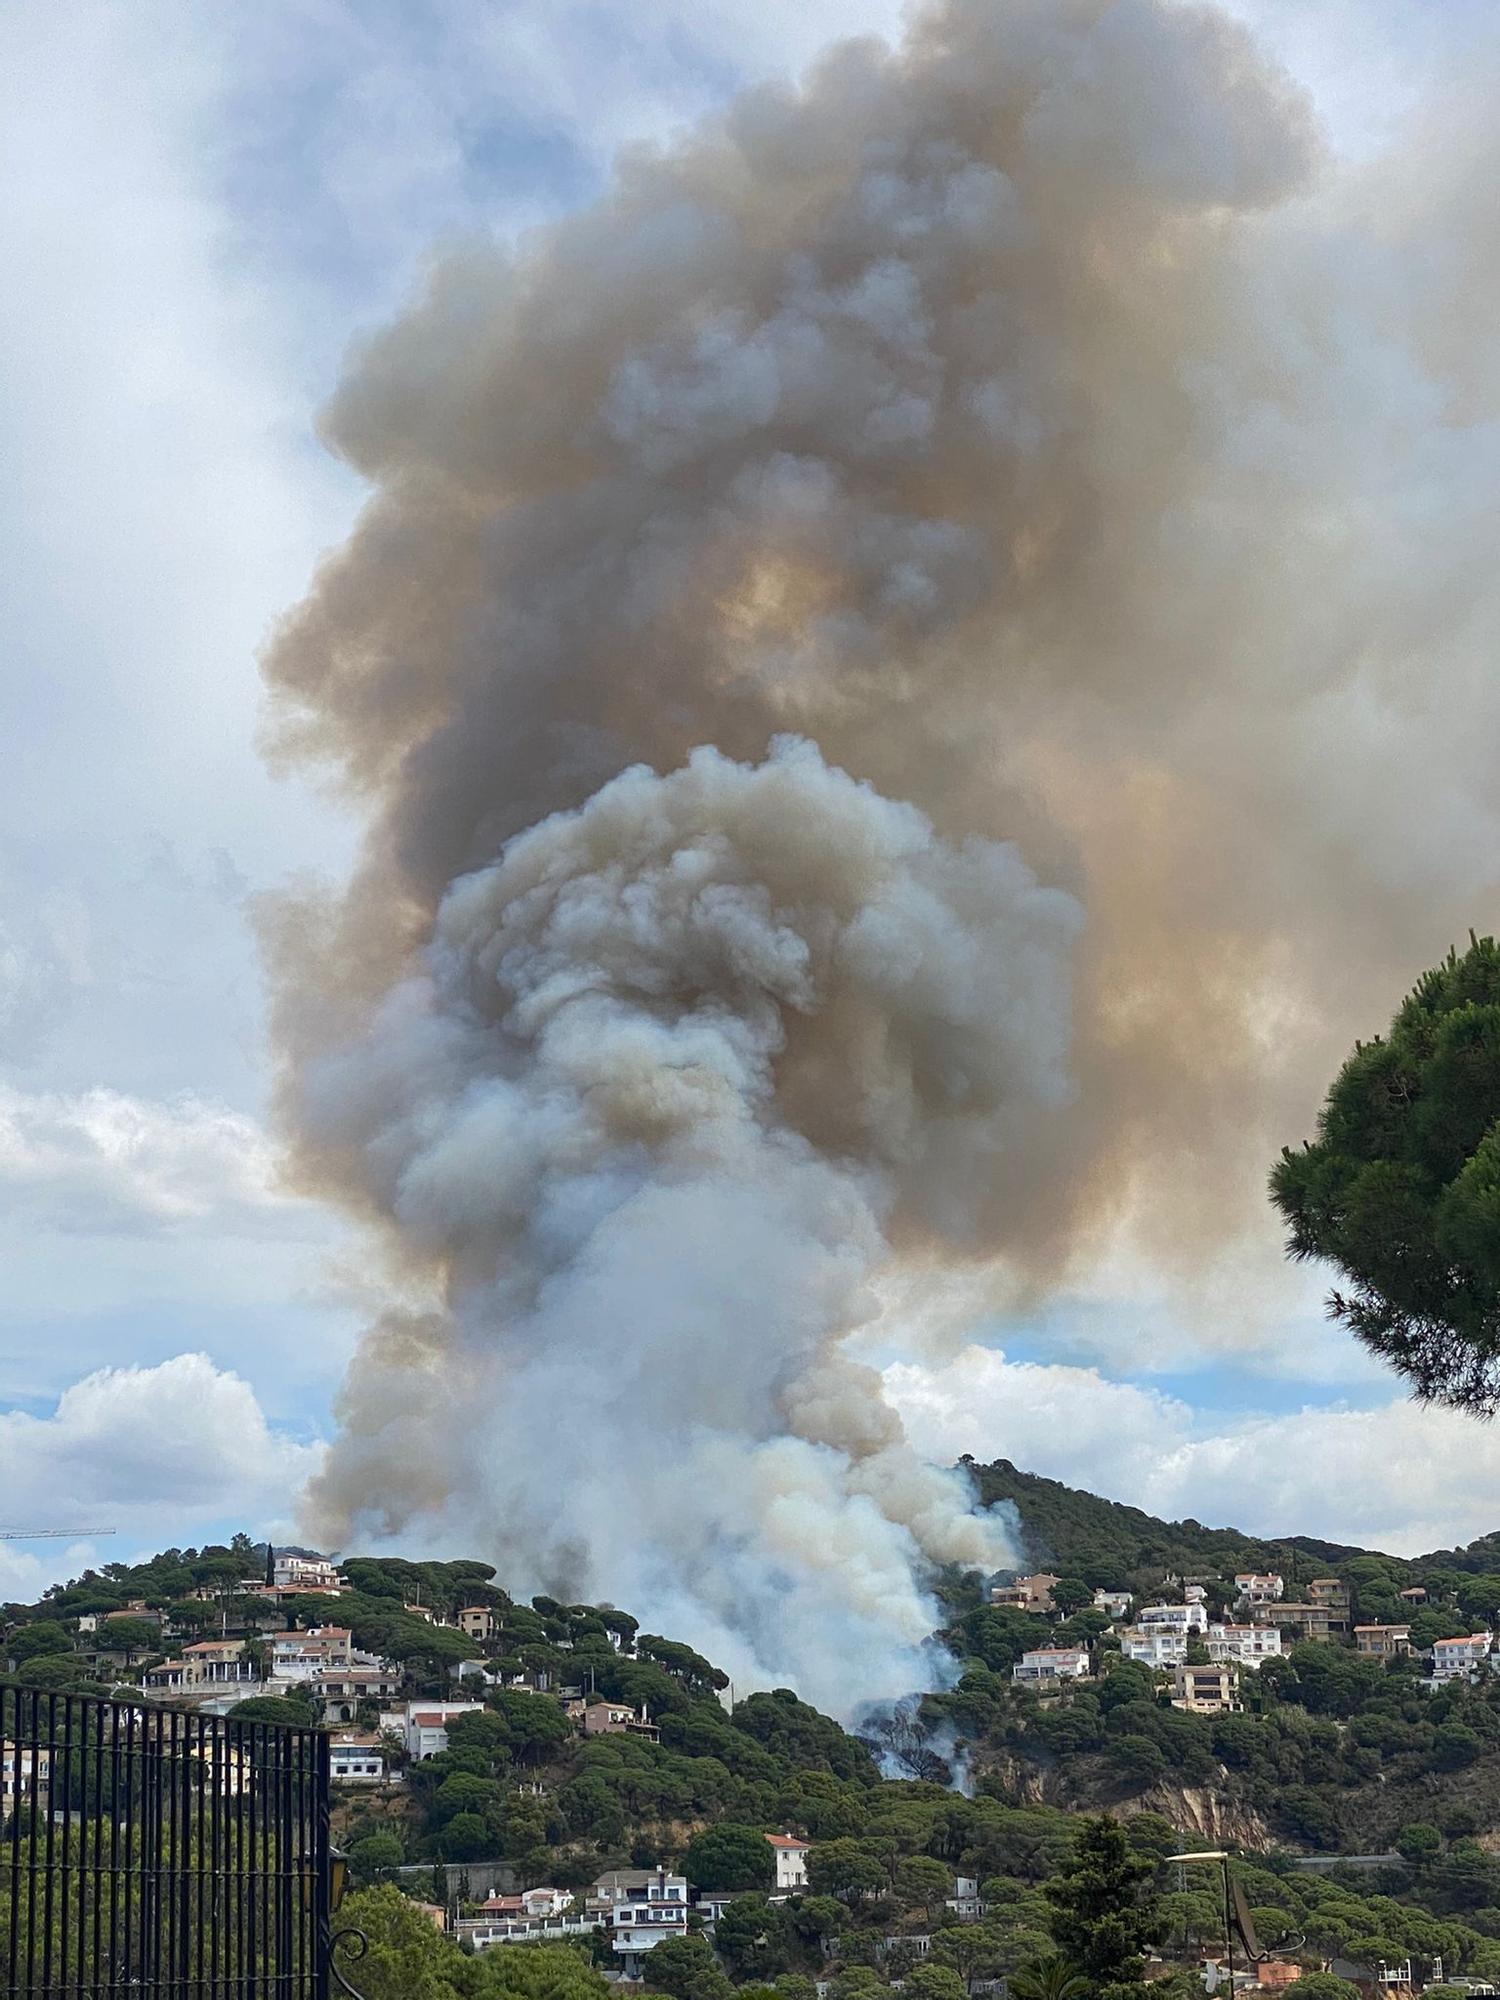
{"x":161,"y":1855}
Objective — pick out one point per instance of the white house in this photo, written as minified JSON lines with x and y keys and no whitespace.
{"x":641,"y":1907}
{"x":300,"y":1656}
{"x":304,"y":1573}
{"x":1454,"y":1659}
{"x":423,"y":1725}
{"x":532,"y":1917}
{"x":1115,"y":1602}
{"x":1174,"y":1617}
{"x":1154,"y":1645}
{"x":1255,"y":1589}
{"x":1246,"y":1644}
{"x":1053,"y":1663}
{"x":791,"y":1860}
{"x":357,"y":1760}
{"x":965,"y":1902}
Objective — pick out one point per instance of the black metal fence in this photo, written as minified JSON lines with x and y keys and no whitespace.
{"x":159,"y":1854}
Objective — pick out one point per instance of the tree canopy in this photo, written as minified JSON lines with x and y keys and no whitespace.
{"x":729,"y":1857}
{"x":1401,"y":1188}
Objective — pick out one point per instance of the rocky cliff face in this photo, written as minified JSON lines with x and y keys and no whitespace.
{"x":1202,"y":1811}
{"x":1210,"y":1815}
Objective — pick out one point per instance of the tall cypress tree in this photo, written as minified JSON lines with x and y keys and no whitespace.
{"x":1103,"y":1916}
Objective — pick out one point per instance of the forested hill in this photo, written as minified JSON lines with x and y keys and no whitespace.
{"x":1062,"y":1526}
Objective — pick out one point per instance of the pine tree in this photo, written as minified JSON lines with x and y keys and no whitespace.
{"x":1103,"y":1916}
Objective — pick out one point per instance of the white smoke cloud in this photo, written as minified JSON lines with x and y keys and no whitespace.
{"x":673,"y":1065}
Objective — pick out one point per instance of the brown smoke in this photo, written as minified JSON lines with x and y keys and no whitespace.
{"x":1033,"y":419}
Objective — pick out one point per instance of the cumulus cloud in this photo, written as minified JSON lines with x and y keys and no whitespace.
{"x":101,"y":1162}
{"x":1397,"y":1476}
{"x":160,"y":1454}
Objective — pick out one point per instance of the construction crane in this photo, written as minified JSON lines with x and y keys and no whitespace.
{"x":52,"y":1534}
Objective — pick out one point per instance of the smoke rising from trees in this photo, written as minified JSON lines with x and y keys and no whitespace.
{"x":1023,"y":436}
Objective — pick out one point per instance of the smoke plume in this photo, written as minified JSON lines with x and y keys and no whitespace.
{"x":1023,"y":435}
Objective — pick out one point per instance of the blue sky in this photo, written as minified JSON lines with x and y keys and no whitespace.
{"x":208,"y":205}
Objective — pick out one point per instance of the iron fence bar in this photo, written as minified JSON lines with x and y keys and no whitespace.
{"x":13,"y":1827}
{"x":323,"y":1864}
{"x":49,"y":1877}
{"x":200,"y":1775}
{"x":114,"y":1843}
{"x":216,"y":1853}
{"x":31,"y":1801}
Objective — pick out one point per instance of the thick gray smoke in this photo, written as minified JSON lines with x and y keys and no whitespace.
{"x":1030,"y":424}
{"x":663,"y":1074}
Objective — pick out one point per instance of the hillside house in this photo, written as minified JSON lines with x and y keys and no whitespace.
{"x":1114,"y":1602}
{"x":791,"y":1861}
{"x":1184,"y":1618}
{"x":1318,"y":1621}
{"x":301,"y":1656}
{"x":1027,"y":1593}
{"x":1415,"y":1596}
{"x":423,"y":1725}
{"x":1383,"y":1642}
{"x":536,"y":1903}
{"x":1212,"y":1690}
{"x":710,"y":1904}
{"x":598,"y":1717}
{"x":533,"y":1916}
{"x":641,"y":1907}
{"x":170,"y":1677}
{"x":1154,"y":1645}
{"x":966,"y":1903}
{"x":1246,"y":1645}
{"x":305,"y":1573}
{"x":1252,"y":1588}
{"x":477,"y":1622}
{"x":208,"y":1664}
{"x":1274,"y":1975}
{"x":1053,"y":1663}
{"x":340,"y":1690}
{"x":217,"y":1662}
{"x":356,"y":1758}
{"x":1331,"y":1593}
{"x":1461,"y":1659}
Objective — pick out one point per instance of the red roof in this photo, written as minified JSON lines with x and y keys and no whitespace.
{"x":785,"y":1840}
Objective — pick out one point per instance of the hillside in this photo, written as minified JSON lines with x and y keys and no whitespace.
{"x":1323,"y":1751}
{"x":1330,"y":1750}
{"x":1064,"y":1526}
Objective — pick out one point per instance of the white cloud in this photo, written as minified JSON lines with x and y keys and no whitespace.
{"x":100,"y":1162}
{"x":164,"y":1455}
{"x":1399,"y":1476}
